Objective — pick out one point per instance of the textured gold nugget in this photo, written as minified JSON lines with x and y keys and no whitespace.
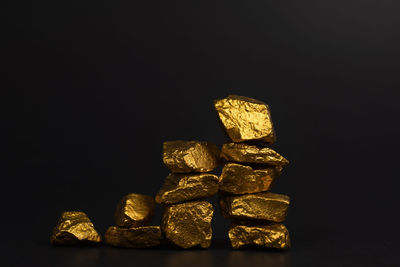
{"x":136,"y":237}
{"x":190,"y":156}
{"x":189,"y":224}
{"x":134,"y":210}
{"x":240,"y":179}
{"x":262,"y":206}
{"x":274,"y":235}
{"x":245,"y":119}
{"x":74,"y":227}
{"x":252,"y":154}
{"x":185,"y":187}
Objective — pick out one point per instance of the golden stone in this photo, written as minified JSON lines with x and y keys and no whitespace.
{"x":240,"y":179}
{"x":189,"y":224}
{"x":274,"y":235}
{"x":245,"y":119}
{"x":241,"y":152}
{"x":134,"y":210}
{"x":136,"y":237}
{"x":265,"y":206}
{"x":190,"y":156}
{"x":185,"y":187}
{"x":74,"y":227}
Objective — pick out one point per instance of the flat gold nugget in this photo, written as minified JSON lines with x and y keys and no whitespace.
{"x":134,"y":210}
{"x":74,"y":227}
{"x":189,"y":224}
{"x":136,"y":237}
{"x":245,"y":119}
{"x":274,"y":235}
{"x":190,"y":156}
{"x":184,"y":187}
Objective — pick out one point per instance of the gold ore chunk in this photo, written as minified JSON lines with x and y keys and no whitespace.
{"x":134,"y":210}
{"x":185,"y":187}
{"x":274,"y":235}
{"x":190,"y":156}
{"x":245,"y":119}
{"x":240,"y":179}
{"x":74,"y":227}
{"x":136,"y":237}
{"x":189,"y":224}
{"x":262,"y":206}
{"x":245,"y":153}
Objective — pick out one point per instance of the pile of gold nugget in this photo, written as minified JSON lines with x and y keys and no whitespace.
{"x":249,"y":169}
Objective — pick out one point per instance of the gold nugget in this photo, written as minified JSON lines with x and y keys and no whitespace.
{"x":245,"y":119}
{"x":262,"y":206}
{"x":136,"y":237}
{"x":134,"y":210}
{"x":240,"y":179}
{"x":185,"y":187}
{"x":252,"y":154}
{"x":274,"y":235}
{"x":190,"y":156}
{"x":74,"y":227}
{"x":189,"y":224}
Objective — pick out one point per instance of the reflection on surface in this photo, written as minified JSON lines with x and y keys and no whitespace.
{"x":83,"y":257}
{"x":258,"y":258}
{"x":189,"y":258}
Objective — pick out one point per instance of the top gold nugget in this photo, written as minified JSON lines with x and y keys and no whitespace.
{"x":190,"y":156}
{"x":245,"y":119}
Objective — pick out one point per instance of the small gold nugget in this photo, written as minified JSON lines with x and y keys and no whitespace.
{"x":134,"y":210}
{"x":74,"y":227}
{"x":190,"y":156}
{"x":245,"y":119}
{"x":274,"y":235}
{"x":262,"y":206}
{"x":136,"y":237}
{"x":185,"y":187}
{"x":252,"y":154}
{"x":240,"y":179}
{"x":189,"y":224}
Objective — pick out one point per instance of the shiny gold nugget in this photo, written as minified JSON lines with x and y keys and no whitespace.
{"x":262,"y":206}
{"x":190,"y":156}
{"x":136,"y":237}
{"x":245,"y":119}
{"x":240,"y":179}
{"x":134,"y":210}
{"x":74,"y":227}
{"x":185,"y":187}
{"x":273,"y":235}
{"x":252,"y":154}
{"x":189,"y":224}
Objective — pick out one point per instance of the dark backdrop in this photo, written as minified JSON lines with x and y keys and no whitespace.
{"x":93,"y":89}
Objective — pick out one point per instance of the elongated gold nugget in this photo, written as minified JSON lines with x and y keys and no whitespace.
{"x":185,"y":187}
{"x":189,"y":224}
{"x":74,"y":227}
{"x":245,"y":119}
{"x":134,"y":210}
{"x":274,"y":235}
{"x":265,"y":206}
{"x":190,"y":156}
{"x":136,"y":237}
{"x":240,"y":179}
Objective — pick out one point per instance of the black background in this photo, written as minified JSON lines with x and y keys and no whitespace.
{"x":93,"y":89}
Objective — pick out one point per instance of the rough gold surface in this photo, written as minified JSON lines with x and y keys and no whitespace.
{"x":190,"y":156}
{"x":74,"y":227}
{"x":185,"y":187}
{"x":189,"y":224}
{"x":136,"y":237}
{"x":240,"y":179}
{"x":245,"y":153}
{"x":134,"y":210}
{"x":262,"y":206}
{"x":274,"y":235}
{"x":245,"y":119}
